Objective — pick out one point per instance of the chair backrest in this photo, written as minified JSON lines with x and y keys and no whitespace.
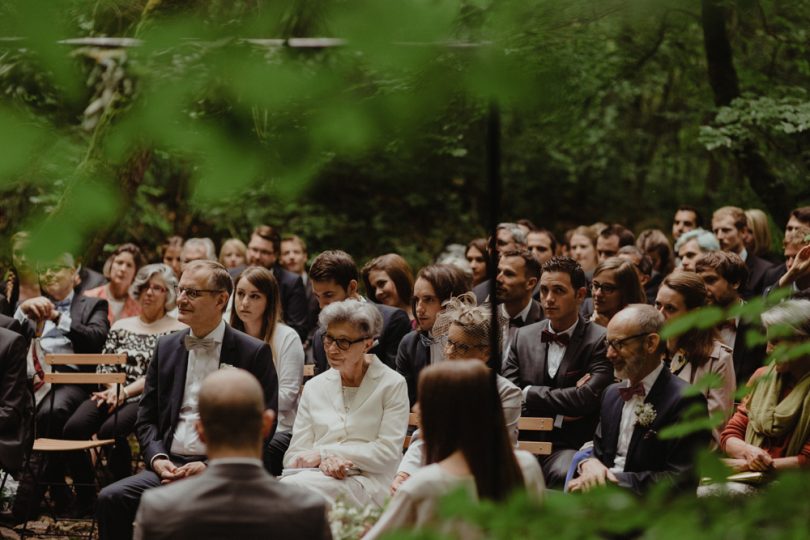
{"x":528,"y":423}
{"x":85,"y":360}
{"x":309,"y":370}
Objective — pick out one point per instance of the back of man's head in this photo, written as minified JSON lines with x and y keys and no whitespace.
{"x":231,"y":404}
{"x":334,"y":265}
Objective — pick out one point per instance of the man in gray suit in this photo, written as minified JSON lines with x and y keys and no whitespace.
{"x":234,"y":497}
{"x":560,"y":365}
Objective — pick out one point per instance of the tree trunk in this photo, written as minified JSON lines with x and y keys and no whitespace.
{"x":726,"y":87}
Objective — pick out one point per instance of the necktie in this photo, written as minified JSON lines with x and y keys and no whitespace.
{"x":560,"y":339}
{"x":635,"y":390}
{"x":205,"y":345}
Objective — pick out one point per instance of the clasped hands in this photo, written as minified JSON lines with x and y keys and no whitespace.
{"x":334,"y":466}
{"x":593,"y":474}
{"x":752,"y":458}
{"x":109,"y":397}
{"x":169,"y":472}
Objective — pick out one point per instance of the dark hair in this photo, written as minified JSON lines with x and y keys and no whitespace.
{"x":802,"y":214}
{"x":130,"y":248}
{"x":527,"y":223}
{"x":271,"y":235}
{"x":334,"y":265}
{"x":171,"y":242}
{"x":447,"y":281}
{"x":397,"y":269}
{"x":532,"y":268}
{"x":481,"y":245}
{"x":480,"y":433}
{"x":626,"y":236}
{"x":569,"y":266}
{"x":655,"y":241}
{"x":550,"y":236}
{"x":626,"y":279}
{"x":264,"y":280}
{"x":690,"y":208}
{"x":730,"y":266}
{"x":696,"y":343}
{"x":644,"y":264}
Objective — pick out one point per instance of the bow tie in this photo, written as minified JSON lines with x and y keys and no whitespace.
{"x":205,"y":345}
{"x":560,"y":339}
{"x":630,"y":391}
{"x":425,"y":339}
{"x":517,"y":322}
{"x":62,"y":306}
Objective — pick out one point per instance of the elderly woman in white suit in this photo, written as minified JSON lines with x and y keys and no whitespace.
{"x":352,"y":419}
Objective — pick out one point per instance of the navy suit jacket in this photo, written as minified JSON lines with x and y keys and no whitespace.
{"x":159,"y":408}
{"x":395,"y":325}
{"x":649,"y":458}
{"x":412,"y":357}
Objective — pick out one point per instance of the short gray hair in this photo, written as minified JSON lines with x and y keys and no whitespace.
{"x":206,"y":244}
{"x":145,"y":273}
{"x":706,"y":240}
{"x":793,"y":314}
{"x":362,"y":315}
{"x":517,"y":233}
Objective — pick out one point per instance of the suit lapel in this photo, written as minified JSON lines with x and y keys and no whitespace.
{"x":612,"y":416}
{"x":655,"y":398}
{"x":227,"y":353}
{"x":180,"y":370}
{"x":542,"y":355}
{"x":572,"y":350}
{"x":369,"y":383}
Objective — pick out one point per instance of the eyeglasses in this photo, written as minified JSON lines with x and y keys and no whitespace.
{"x":463,"y":348}
{"x":193,"y":294}
{"x":618,"y":344}
{"x":606,"y":288}
{"x":157,"y":289}
{"x":342,"y":344}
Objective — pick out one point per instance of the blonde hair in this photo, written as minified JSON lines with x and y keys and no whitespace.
{"x":760,"y":231}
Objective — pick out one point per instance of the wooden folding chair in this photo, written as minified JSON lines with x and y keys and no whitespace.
{"x":46,"y":445}
{"x":528,"y":423}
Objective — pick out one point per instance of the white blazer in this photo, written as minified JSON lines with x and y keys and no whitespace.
{"x":369,"y":433}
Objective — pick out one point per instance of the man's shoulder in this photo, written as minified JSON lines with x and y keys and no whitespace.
{"x":8,"y":336}
{"x":285,"y":276}
{"x":391,"y":314}
{"x":242,"y":339}
{"x":592,"y":331}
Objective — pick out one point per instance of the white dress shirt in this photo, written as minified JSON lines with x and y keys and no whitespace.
{"x":186,"y":441}
{"x":628,"y":421}
{"x":556,"y":351}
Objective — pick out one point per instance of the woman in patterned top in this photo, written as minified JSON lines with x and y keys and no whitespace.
{"x":154,"y":290}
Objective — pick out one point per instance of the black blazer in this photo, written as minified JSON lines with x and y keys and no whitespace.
{"x":746,"y":359}
{"x":585,"y":354}
{"x":395,"y":325}
{"x":652,"y":286}
{"x":758,"y":275}
{"x":88,"y":279}
{"x":773,"y":275}
{"x":88,"y":327}
{"x":10,"y":323}
{"x":650,"y":459}
{"x":159,"y":408}
{"x":412,"y":357}
{"x":16,"y":402}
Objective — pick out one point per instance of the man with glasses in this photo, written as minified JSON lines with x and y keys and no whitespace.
{"x":334,"y":278}
{"x":560,"y":365}
{"x":168,"y":412}
{"x":627,"y":450}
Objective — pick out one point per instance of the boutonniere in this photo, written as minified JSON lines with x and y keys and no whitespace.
{"x":645,"y":414}
{"x":223,"y":365}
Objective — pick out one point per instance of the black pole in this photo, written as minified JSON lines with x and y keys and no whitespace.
{"x":494,"y":190}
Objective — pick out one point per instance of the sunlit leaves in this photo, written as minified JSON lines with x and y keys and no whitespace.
{"x":700,"y":318}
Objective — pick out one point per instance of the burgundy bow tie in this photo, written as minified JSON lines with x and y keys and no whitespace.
{"x":630,"y":391}
{"x":560,"y":339}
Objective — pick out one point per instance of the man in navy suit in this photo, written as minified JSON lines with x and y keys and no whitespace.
{"x":334,"y":278}
{"x":167,"y":414}
{"x":627,"y":450}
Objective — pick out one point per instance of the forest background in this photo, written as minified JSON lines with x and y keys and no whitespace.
{"x":212,"y":122}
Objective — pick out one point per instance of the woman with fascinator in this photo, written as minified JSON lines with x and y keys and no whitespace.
{"x":464,"y":329}
{"x":434,"y":285}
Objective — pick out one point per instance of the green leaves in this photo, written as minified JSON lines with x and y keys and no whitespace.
{"x":700,"y":318}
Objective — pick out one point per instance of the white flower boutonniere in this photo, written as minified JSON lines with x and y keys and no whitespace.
{"x":223,"y":365}
{"x":645,"y":414}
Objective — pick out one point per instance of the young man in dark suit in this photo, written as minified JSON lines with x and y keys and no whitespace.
{"x":264,"y":249}
{"x":729,"y":225}
{"x":171,"y":447}
{"x":16,"y":402}
{"x":235,"y":497}
{"x":626,"y":448}
{"x":334,"y":278}
{"x":560,"y":365}
{"x":516,"y":280}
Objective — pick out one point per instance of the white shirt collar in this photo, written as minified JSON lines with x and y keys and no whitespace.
{"x":524,"y":313}
{"x":217,"y":334}
{"x":237,"y":461}
{"x":744,"y":254}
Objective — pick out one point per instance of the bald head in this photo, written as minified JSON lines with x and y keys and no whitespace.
{"x":633,"y":341}
{"x":232,"y":412}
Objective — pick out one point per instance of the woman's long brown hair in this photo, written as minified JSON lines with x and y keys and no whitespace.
{"x":264,"y":280}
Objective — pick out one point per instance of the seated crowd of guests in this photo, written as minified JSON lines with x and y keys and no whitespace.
{"x":577,"y":339}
